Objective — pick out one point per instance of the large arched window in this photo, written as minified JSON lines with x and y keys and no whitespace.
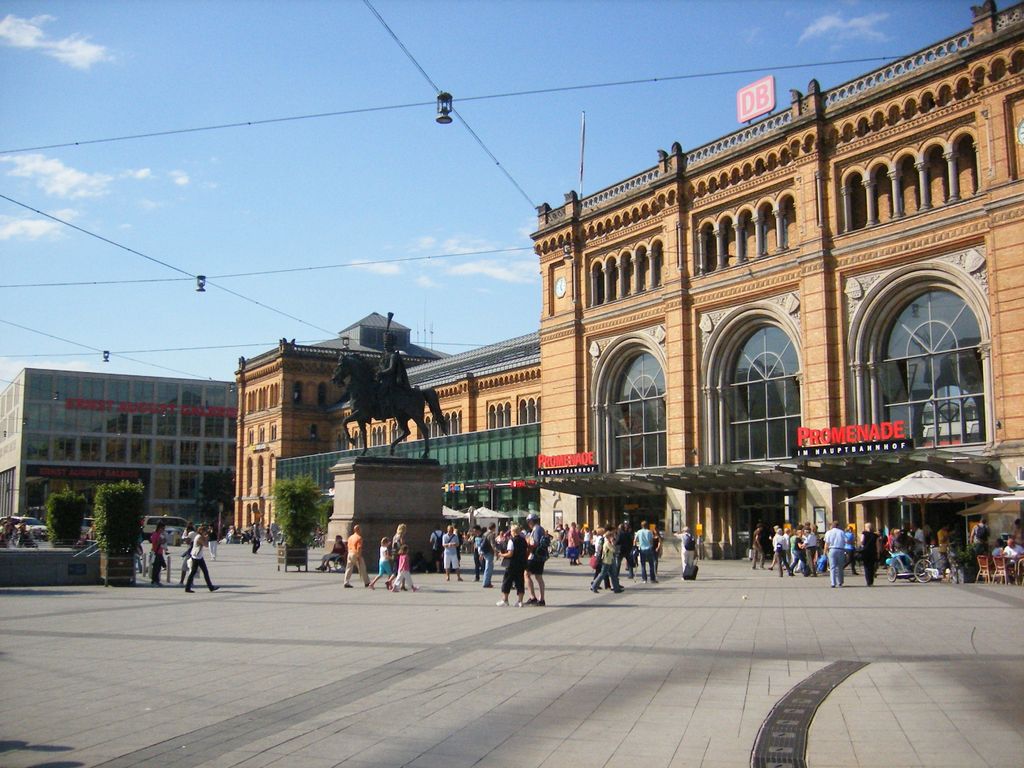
{"x":931,"y":372}
{"x":764,"y":397}
{"x":638,"y":415}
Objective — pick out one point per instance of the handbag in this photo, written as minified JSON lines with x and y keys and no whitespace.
{"x":593,"y":562}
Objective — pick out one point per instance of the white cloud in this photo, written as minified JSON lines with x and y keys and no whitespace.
{"x":380,"y":269}
{"x":75,"y":50}
{"x":27,"y":229}
{"x":426,"y":243}
{"x":138,"y":173}
{"x":180,"y":178}
{"x":55,"y":178}
{"x":425,"y":282}
{"x":834,"y":26}
{"x":505,"y":271}
{"x":149,"y":205}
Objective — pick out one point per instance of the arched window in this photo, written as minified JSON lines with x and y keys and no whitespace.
{"x":931,"y":373}
{"x":597,"y":285}
{"x":855,"y":203}
{"x":321,"y":394}
{"x":297,"y":392}
{"x":641,"y":269}
{"x":627,"y":275}
{"x":263,"y":434}
{"x":908,"y":189}
{"x":763,"y":402}
{"x":611,"y":290}
{"x":522,"y":412}
{"x":248,"y":476}
{"x":507,"y":420}
{"x":966,"y":166}
{"x":656,"y":265}
{"x":273,"y":432}
{"x":638,"y":415}
{"x":492,"y":418}
{"x":259,"y":475}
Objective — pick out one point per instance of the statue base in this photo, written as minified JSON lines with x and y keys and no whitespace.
{"x":379,"y":493}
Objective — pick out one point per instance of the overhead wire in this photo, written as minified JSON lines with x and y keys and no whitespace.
{"x":437,"y":90}
{"x":266,"y":272}
{"x":462,"y":99}
{"x":101,"y":351}
{"x":163,"y":263}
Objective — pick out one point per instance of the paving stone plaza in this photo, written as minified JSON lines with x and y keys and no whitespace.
{"x":289,"y":669}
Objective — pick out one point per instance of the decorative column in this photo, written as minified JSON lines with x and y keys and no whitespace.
{"x":869,"y":194}
{"x":699,"y":255}
{"x":926,"y":189}
{"x":954,"y":176}
{"x":741,"y":241}
{"x":780,"y":230}
{"x":847,"y":209}
{"x":857,"y":374}
{"x":722,"y":253}
{"x":897,"y":193}
{"x":759,"y":245}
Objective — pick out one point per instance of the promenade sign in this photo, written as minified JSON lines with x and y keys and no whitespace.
{"x":755,"y":99}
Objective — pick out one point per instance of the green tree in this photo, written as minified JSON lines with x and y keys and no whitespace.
{"x":118,"y":510}
{"x":296,"y":505}
{"x":217,"y":488}
{"x":65,"y":511}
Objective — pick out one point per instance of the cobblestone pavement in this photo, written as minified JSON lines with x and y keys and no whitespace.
{"x":292,"y":670}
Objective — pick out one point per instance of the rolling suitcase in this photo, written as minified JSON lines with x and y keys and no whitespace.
{"x":690,"y":572}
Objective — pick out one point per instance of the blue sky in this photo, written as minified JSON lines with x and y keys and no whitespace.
{"x":349,"y":194}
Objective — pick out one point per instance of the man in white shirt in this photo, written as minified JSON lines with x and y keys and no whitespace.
{"x":780,"y":543}
{"x":835,"y":548}
{"x":1013,"y":550}
{"x":811,"y":549}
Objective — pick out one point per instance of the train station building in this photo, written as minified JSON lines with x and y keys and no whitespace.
{"x":755,"y":329}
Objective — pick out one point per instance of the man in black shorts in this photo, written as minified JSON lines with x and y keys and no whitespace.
{"x":540,"y":547}
{"x":515,"y":566}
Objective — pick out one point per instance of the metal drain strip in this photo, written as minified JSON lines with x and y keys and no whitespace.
{"x":782,"y":740}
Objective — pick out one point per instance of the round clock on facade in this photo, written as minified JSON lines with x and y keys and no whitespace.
{"x":560,"y":287}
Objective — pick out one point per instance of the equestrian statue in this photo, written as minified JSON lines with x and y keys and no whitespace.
{"x":383,"y":392}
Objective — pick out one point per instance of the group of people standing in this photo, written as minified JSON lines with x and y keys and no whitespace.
{"x":801,"y":550}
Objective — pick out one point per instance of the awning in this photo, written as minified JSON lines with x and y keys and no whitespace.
{"x":856,"y":471}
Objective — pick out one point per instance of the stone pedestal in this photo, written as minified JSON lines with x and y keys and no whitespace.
{"x":379,"y":493}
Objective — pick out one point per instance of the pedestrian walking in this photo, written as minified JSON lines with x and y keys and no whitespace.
{"x":403,"y":578}
{"x":573,"y":543}
{"x":780,"y":543}
{"x":757,"y":546}
{"x":811,"y":548}
{"x":355,"y":558}
{"x":539,"y":544}
{"x":186,"y":554}
{"x":158,"y":543}
{"x":383,"y":563}
{"x":606,"y":557}
{"x":256,"y":537}
{"x":869,"y":553}
{"x":487,"y":547}
{"x":689,"y":551}
{"x":835,"y":549}
{"x":199,"y":542}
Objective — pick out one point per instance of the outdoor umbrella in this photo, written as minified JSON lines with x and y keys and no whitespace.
{"x":452,"y":514}
{"x":925,"y":486}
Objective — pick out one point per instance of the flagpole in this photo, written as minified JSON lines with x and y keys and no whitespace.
{"x":583,"y":143}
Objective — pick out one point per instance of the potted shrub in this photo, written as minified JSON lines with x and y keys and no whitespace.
{"x":296,"y":504}
{"x":117,"y":510}
{"x":65,"y":511}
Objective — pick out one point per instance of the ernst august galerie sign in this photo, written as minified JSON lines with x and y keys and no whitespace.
{"x":162,"y":409}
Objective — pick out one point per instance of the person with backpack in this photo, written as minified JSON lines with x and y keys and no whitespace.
{"x":540,"y":548}
{"x":437,"y":548}
{"x":690,"y":553}
{"x":485,"y":550}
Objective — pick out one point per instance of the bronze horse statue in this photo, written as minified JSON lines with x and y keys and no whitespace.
{"x":373,"y":400}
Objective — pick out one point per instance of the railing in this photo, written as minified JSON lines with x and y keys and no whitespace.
{"x":890,"y":72}
{"x":733,"y":140}
{"x":639,"y":181}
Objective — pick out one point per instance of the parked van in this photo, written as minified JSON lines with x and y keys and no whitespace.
{"x":175,"y":527}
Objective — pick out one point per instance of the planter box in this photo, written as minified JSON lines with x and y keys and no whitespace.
{"x":298,"y":557}
{"x":117,"y":570}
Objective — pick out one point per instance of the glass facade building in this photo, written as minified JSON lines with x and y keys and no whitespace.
{"x":69,"y":429}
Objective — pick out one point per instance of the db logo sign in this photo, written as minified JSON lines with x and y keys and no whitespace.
{"x":755,"y":99}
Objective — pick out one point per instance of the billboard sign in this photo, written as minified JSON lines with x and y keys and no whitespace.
{"x":755,"y":99}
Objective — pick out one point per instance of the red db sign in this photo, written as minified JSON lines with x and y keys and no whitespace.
{"x":755,"y":99}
